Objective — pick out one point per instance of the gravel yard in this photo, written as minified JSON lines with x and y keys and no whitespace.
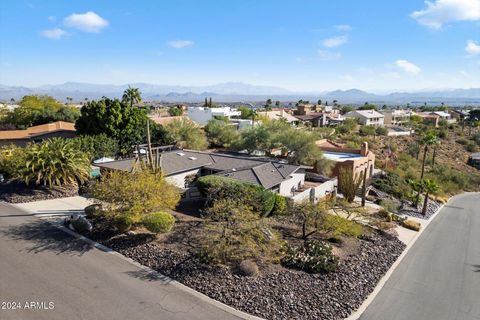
{"x":277,"y":292}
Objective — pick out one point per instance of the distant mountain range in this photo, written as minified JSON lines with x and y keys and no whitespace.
{"x":239,"y":92}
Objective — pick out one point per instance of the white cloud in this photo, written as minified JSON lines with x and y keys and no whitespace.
{"x":408,"y":67}
{"x":88,"y":22}
{"x":472,"y":48}
{"x":326,"y":55}
{"x":180,"y":44}
{"x":52,"y":18}
{"x":343,"y":27}
{"x":439,"y":12}
{"x":335,"y":41}
{"x":54,"y":33}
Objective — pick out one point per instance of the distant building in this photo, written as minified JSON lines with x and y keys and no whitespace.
{"x":397,"y":117}
{"x":367,"y":117}
{"x":37,"y":133}
{"x":201,"y":115}
{"x":278,"y":114}
{"x":355,"y":160}
{"x":316,"y":115}
{"x":459,"y":114}
{"x":166,"y":120}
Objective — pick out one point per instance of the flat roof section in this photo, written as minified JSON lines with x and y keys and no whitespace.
{"x":341,"y":156}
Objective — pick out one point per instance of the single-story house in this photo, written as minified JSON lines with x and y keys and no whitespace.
{"x":37,"y":133}
{"x":180,"y":167}
{"x":367,"y":117}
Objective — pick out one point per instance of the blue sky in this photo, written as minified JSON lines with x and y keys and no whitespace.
{"x":300,"y":45}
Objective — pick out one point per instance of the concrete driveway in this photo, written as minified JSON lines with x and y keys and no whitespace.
{"x":439,"y":278}
{"x":69,"y":279}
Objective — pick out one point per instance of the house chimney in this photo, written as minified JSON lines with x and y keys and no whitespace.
{"x":364,"y":150}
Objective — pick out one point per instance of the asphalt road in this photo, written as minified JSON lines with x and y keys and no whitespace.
{"x":439,"y":278}
{"x":44,"y":265}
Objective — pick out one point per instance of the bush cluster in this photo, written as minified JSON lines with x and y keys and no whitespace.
{"x":216,"y":187}
{"x":159,"y":222}
{"x":313,"y":257}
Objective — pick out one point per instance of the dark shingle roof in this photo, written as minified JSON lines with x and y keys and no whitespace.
{"x":258,"y":171}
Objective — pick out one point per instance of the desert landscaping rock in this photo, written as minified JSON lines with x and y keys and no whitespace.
{"x":280,"y":294}
{"x":411,"y":211}
{"x":16,"y":192}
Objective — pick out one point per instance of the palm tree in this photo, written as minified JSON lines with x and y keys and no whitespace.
{"x":132,"y":96}
{"x":430,"y":187}
{"x":429,"y":139}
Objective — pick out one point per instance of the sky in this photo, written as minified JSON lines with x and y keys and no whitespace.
{"x":301,"y":45}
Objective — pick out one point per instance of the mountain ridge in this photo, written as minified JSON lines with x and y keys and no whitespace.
{"x":238,"y":91}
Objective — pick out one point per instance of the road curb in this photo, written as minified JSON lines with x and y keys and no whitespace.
{"x":201,"y":296}
{"x":366,"y":303}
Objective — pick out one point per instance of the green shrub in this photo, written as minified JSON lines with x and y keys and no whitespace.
{"x":91,"y":210}
{"x":381,"y":131}
{"x":442,"y":134}
{"x":367,"y":131}
{"x":412,"y":225}
{"x":122,"y":223}
{"x":337,"y":226}
{"x":313,"y":257}
{"x":159,"y":222}
{"x":392,"y":184}
{"x":231,"y":232}
{"x":55,"y":162}
{"x":471,"y":146}
{"x":216,"y":187}
{"x":389,"y":205}
{"x":280,"y":205}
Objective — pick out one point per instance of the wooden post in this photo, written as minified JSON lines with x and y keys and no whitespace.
{"x":364,"y":187}
{"x":150,"y":156}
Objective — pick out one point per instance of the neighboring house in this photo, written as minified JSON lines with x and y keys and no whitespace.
{"x":37,"y":133}
{"x":201,"y":115}
{"x":429,"y":119}
{"x":278,"y":114}
{"x":397,"y":117}
{"x":314,"y":119}
{"x":166,"y":120}
{"x":367,"y":117}
{"x":444,"y":116}
{"x":180,"y":167}
{"x":474,"y":160}
{"x":303,"y":109}
{"x":459,"y":114}
{"x":352,"y":159}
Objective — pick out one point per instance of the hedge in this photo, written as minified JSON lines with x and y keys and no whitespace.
{"x":216,"y":187}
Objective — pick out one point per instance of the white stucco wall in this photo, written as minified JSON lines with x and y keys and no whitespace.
{"x":286,"y":186}
{"x":202,"y":115}
{"x":178,"y":180}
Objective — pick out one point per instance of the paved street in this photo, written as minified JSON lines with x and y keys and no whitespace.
{"x":40,"y":263}
{"x":439,"y":278}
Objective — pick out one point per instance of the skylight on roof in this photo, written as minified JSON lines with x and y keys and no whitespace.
{"x":180,"y":154}
{"x":192,"y":158}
